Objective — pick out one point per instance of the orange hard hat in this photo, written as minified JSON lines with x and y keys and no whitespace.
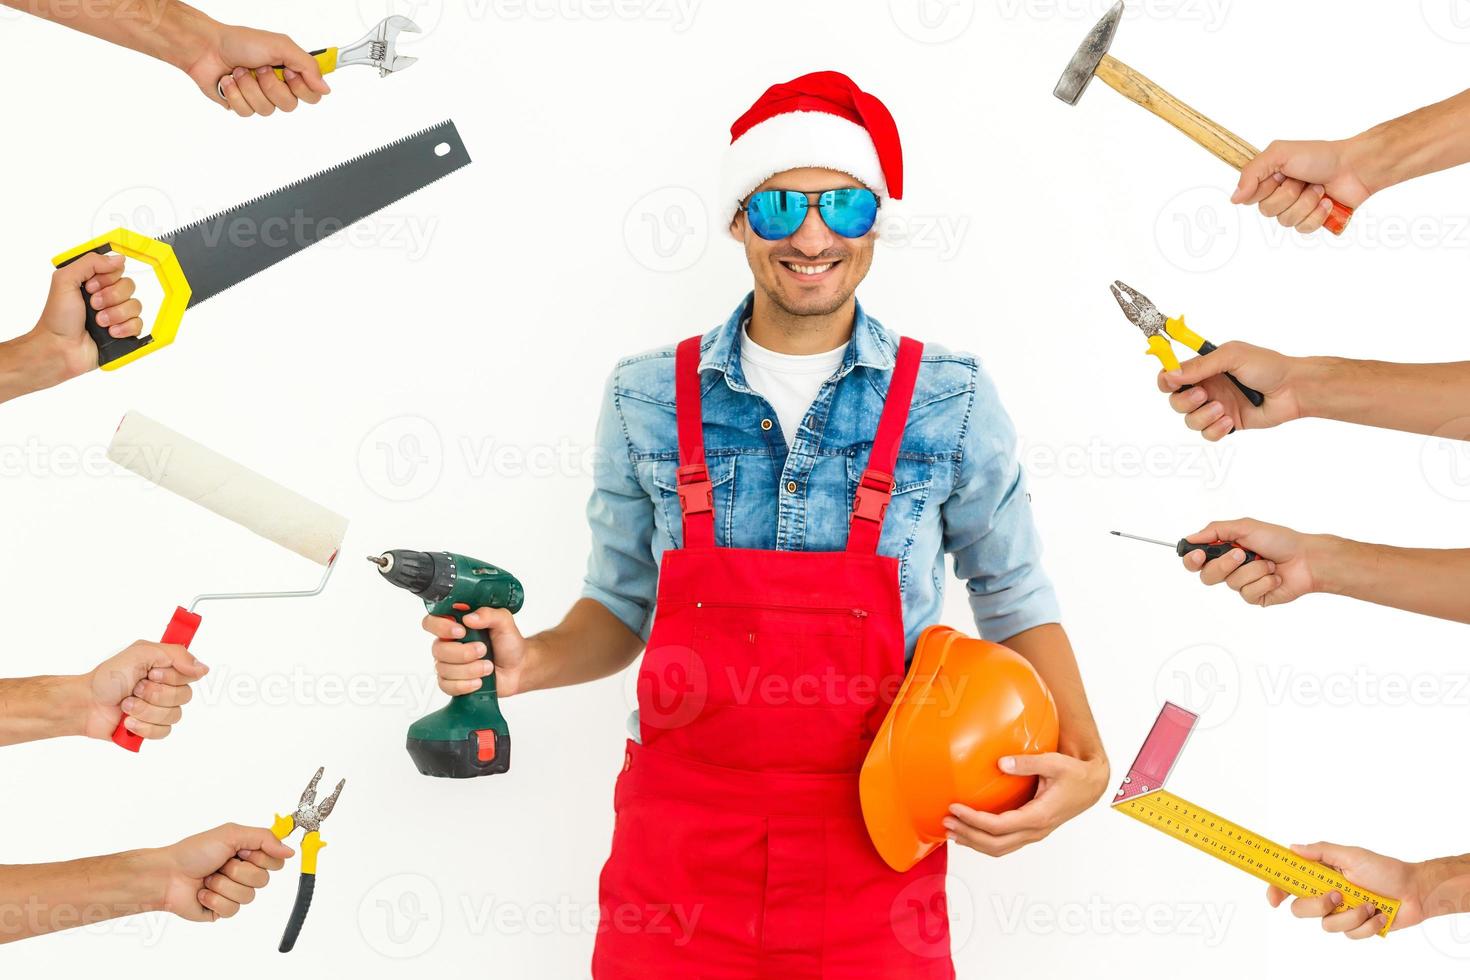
{"x":964,"y":705}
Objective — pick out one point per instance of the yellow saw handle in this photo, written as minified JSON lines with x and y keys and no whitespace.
{"x":114,"y":352}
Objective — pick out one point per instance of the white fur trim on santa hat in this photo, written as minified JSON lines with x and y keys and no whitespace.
{"x":793,"y":140}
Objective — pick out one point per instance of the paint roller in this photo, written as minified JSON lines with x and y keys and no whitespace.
{"x":193,"y":471}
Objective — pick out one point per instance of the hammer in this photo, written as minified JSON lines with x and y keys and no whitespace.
{"x":1092,"y":58}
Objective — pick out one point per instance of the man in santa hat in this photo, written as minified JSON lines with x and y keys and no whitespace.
{"x":773,"y":505}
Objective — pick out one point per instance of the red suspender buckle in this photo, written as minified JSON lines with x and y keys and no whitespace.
{"x":696,"y":492}
{"x":874,"y":491}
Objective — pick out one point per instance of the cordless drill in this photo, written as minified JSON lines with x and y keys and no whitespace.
{"x":468,"y":736}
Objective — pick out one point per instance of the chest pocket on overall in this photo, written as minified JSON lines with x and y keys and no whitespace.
{"x":661,"y":480}
{"x":912,"y":480}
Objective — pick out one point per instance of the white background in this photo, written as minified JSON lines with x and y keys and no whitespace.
{"x":436,"y":376}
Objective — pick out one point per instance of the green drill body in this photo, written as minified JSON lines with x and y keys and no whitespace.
{"x":468,"y":736}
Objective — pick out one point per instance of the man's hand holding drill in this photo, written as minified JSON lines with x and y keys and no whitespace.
{"x":462,"y":667}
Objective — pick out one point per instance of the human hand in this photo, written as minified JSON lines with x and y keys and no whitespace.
{"x":1292,"y":181}
{"x":1066,"y":787}
{"x":60,"y":335}
{"x":148,"y":682}
{"x":238,"y":62}
{"x":1384,"y":875}
{"x":1214,"y":407}
{"x":1290,"y":564}
{"x":210,"y":875}
{"x":461,"y":666}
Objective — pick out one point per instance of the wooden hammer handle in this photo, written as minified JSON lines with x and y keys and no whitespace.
{"x":1201,"y":128}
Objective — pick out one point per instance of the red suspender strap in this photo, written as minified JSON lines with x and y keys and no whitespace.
{"x":696,"y":493}
{"x":875,"y":489}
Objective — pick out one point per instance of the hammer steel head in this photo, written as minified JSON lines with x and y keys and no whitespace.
{"x":1080,"y":69}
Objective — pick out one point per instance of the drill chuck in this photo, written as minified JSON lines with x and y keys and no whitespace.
{"x":430,"y":576}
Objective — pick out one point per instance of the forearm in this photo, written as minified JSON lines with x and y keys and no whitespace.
{"x":33,"y":708}
{"x":1425,"y":141}
{"x":1422,"y":398}
{"x":39,"y":898}
{"x":164,"y":29}
{"x":27,"y":365}
{"x":590,"y":643}
{"x":1423,"y":580}
{"x":1444,"y":886}
{"x":1050,"y":652}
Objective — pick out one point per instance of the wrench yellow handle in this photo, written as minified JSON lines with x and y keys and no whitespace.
{"x":326,"y":60}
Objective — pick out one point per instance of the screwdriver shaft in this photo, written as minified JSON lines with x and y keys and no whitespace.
{"x":1134,"y":537}
{"x":1217,"y":549}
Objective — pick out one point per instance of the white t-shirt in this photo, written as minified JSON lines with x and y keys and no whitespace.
{"x":790,"y":382}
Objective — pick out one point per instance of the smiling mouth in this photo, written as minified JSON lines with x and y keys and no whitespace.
{"x":809,"y":271}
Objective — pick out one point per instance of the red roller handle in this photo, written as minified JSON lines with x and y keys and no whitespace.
{"x":1337,"y":221}
{"x":181,"y":630}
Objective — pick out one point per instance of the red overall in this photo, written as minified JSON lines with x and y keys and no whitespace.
{"x":739,"y":849}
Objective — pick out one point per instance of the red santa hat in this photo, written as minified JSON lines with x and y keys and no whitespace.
{"x":818,"y":120}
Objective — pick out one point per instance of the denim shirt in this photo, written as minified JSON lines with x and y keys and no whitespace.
{"x":958,"y":488}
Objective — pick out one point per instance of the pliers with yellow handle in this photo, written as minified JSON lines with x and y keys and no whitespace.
{"x":1158,"y":329}
{"x":377,"y":49}
{"x":308,"y":816}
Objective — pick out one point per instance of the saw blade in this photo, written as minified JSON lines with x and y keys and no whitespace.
{"x":229,"y":247}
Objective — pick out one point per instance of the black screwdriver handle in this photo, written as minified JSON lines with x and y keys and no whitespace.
{"x":1216,"y":549}
{"x":1252,"y":395}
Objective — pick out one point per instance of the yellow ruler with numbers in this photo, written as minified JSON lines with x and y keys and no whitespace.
{"x":1143,"y":798}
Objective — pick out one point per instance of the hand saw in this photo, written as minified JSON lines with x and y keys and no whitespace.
{"x":203,"y":259}
{"x":1143,"y":798}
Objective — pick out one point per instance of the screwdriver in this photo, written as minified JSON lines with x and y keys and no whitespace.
{"x":1216,"y":549}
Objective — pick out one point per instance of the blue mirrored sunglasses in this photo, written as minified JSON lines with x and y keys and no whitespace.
{"x":849,"y":211}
